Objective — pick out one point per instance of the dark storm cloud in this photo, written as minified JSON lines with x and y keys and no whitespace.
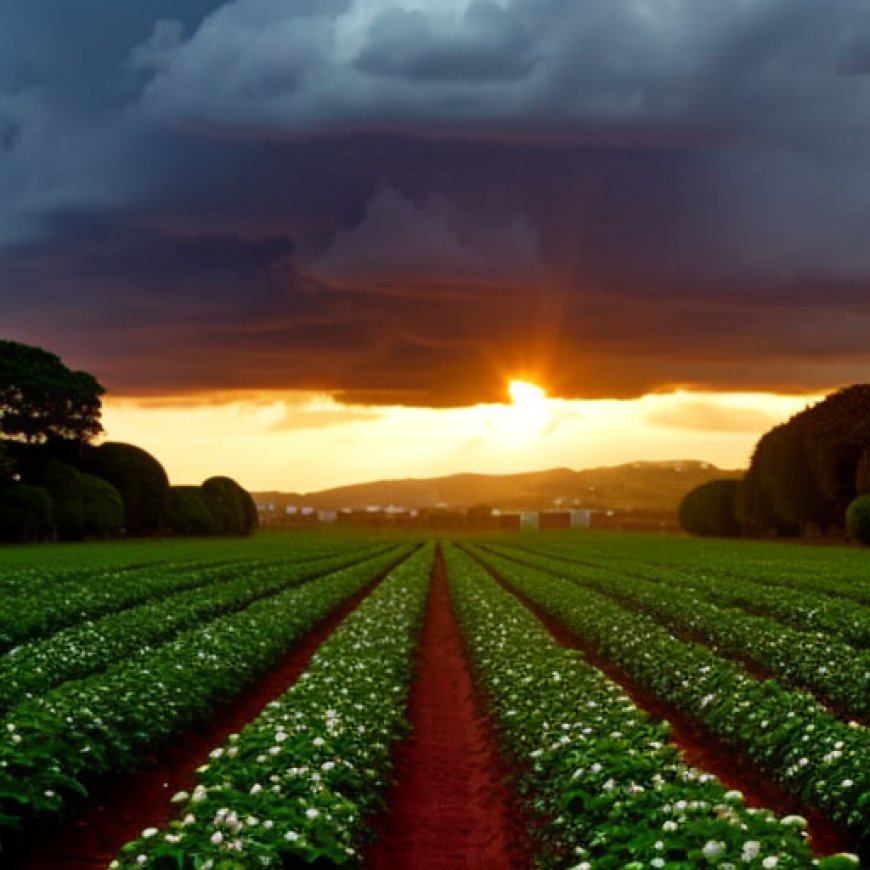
{"x":408,"y":201}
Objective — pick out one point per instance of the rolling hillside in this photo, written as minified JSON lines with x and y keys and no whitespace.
{"x":640,"y":486}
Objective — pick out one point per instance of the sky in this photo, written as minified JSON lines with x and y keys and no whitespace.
{"x":308,"y":242}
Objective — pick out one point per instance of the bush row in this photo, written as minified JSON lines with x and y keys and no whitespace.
{"x":822,"y":760}
{"x":51,"y":745}
{"x":607,"y":788}
{"x":298,"y":781}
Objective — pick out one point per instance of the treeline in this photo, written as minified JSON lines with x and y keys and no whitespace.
{"x":56,"y":484}
{"x":809,"y":476}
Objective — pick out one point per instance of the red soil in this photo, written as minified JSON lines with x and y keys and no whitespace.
{"x":701,"y":749}
{"x":450,"y":806}
{"x":121,"y":807}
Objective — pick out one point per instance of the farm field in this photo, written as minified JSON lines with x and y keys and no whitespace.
{"x":555,"y":700}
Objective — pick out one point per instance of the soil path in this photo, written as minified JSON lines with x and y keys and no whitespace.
{"x":450,"y":806}
{"x":699,"y":747}
{"x":122,"y":807}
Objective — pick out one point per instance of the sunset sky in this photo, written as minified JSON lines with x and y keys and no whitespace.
{"x":309,"y":242}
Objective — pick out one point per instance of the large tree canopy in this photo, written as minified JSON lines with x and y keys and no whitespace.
{"x":41,"y":400}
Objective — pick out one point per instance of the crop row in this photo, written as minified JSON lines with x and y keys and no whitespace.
{"x":808,"y":609}
{"x":92,"y":646}
{"x":52,"y":745}
{"x":606,"y":787}
{"x":51,"y":608}
{"x":834,"y":671}
{"x":299,"y":781}
{"x":830,"y":572}
{"x":817,"y":757}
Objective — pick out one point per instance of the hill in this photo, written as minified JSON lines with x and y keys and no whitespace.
{"x":637,"y":486}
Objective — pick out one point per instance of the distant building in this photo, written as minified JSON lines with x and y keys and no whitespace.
{"x":529,"y":520}
{"x":581,"y":519}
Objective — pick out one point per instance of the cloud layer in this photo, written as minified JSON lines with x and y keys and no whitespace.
{"x":406,"y":201}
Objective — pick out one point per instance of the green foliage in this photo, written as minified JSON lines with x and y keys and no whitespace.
{"x":103,"y":508}
{"x":339,"y":719}
{"x":711,"y":509}
{"x":26,"y":513}
{"x":7,"y":465}
{"x":858,"y":519}
{"x":804,"y":473}
{"x":84,"y":505}
{"x":95,"y":644}
{"x":600,"y":775}
{"x":41,"y":400}
{"x":139,"y":478}
{"x":107,"y":722}
{"x":232,"y":506}
{"x":761,"y":718}
{"x":187,"y":512}
{"x":63,"y":483}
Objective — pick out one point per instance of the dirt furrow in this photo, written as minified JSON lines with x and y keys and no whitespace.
{"x":451,"y":805}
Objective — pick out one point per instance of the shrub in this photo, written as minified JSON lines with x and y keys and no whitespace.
{"x":26,"y":513}
{"x":139,"y":478}
{"x":83,"y":504}
{"x":187,"y":512}
{"x":711,"y":509}
{"x":232,"y":507}
{"x":63,"y":483}
{"x":103,"y":507}
{"x":858,"y":519}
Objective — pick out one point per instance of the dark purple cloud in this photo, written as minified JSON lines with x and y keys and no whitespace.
{"x":408,"y":201}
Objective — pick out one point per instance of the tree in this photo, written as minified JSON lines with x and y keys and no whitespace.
{"x":232,"y":506}
{"x":103,"y":514}
{"x":140,"y":479}
{"x":42,"y":401}
{"x":858,"y":519}
{"x":187,"y":512}
{"x":26,"y":513}
{"x":84,"y":505}
{"x":711,"y":509}
{"x":63,"y":483}
{"x":7,"y":465}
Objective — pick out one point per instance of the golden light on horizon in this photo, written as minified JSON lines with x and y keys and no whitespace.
{"x":278,"y":440}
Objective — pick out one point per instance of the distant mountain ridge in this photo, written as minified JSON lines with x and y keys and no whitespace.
{"x":637,"y":486}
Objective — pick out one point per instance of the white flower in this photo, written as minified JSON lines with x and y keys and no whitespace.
{"x":292,"y":836}
{"x":713,"y":850}
{"x":769,"y":862}
{"x":312,"y":813}
{"x":217,"y":838}
{"x":149,"y":832}
{"x":256,"y":788}
{"x":751,"y":848}
{"x":180,"y":797}
{"x":795,"y":822}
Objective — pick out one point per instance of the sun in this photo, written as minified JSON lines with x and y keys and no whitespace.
{"x":528,"y":414}
{"x":525,"y":394}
